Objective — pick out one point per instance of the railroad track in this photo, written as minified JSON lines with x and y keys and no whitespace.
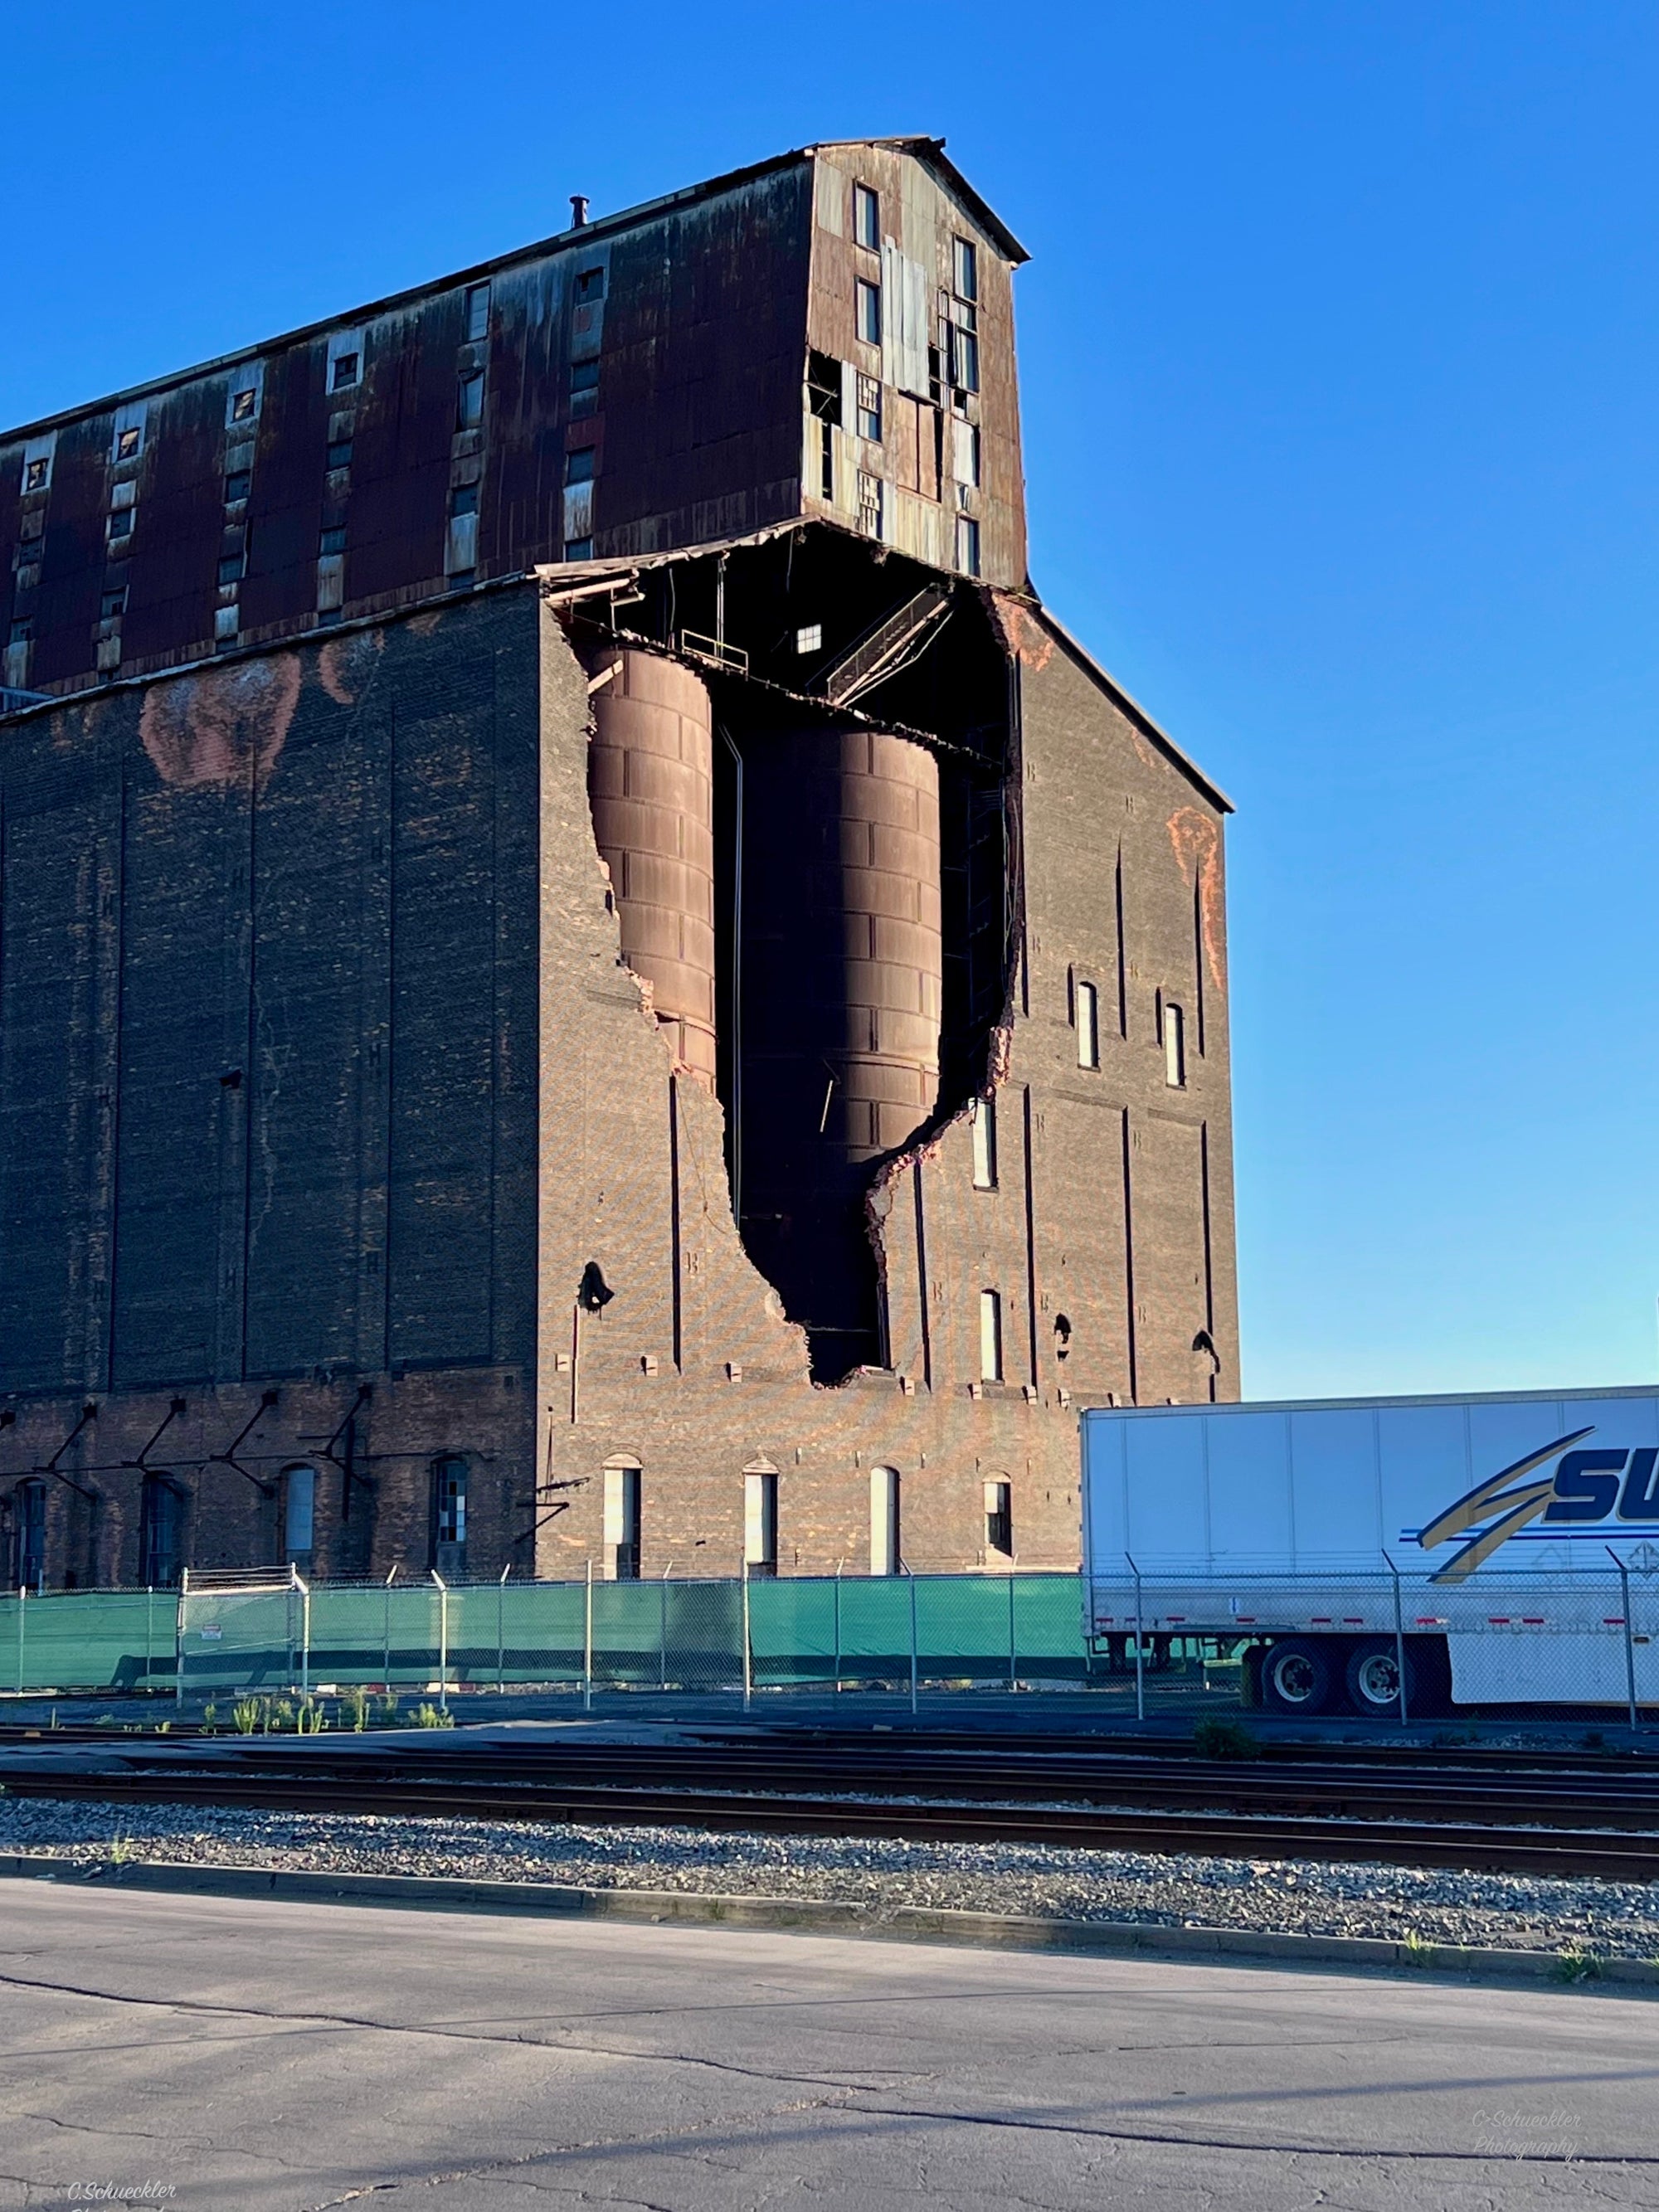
{"x":344,"y":1787}
{"x":1335,"y":1790}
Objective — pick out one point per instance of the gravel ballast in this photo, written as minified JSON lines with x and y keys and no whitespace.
{"x":1290,"y":1896}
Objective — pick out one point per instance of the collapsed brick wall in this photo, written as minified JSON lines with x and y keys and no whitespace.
{"x":320,"y":1074}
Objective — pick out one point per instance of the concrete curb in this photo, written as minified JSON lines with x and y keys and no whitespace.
{"x":909,"y":1924}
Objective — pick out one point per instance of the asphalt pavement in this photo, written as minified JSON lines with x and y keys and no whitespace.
{"x":225,"y":2055}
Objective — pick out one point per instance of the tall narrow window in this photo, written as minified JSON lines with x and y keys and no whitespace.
{"x":990,"y":1336}
{"x":299,"y":1513}
{"x":870,"y":408}
{"x":968,"y":545}
{"x":999,"y":1518}
{"x":886,"y":1555}
{"x":869,"y":312}
{"x":1174,"y":1046}
{"x":870,"y":504}
{"x":449,"y":1514}
{"x":621,"y":1521}
{"x":866,"y":217}
{"x":477,"y":312}
{"x":469,"y":407}
{"x":1088,"y":1026}
{"x":28,"y":1534}
{"x":161,"y":1529}
{"x":965,"y":268}
{"x":759,"y":1521}
{"x":985,"y":1144}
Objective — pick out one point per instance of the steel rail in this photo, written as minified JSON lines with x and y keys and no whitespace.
{"x":1339,"y":1792}
{"x":1560,"y":1852}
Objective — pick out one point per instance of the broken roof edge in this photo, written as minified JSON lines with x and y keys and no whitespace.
{"x":1131,"y":706}
{"x":929,"y":150}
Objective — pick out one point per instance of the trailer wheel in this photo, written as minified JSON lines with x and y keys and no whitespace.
{"x":1373,"y":1679}
{"x":1297,"y":1677}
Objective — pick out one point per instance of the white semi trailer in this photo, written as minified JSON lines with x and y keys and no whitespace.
{"x":1385,"y":1554}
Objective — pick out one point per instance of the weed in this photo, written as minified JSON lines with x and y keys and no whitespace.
{"x":1577,"y":1967}
{"x":1593,"y":1739}
{"x":312,"y":1718}
{"x":388,"y":1705}
{"x":209,"y":1716}
{"x":246,"y":1715}
{"x":1418,"y":1951}
{"x":432,"y":1716}
{"x":120,"y":1848}
{"x":1215,"y":1738}
{"x":279,"y":1713}
{"x":354,"y":1709}
{"x":1452,"y":1739}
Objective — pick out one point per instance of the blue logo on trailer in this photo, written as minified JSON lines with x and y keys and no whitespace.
{"x":1592,"y":1485}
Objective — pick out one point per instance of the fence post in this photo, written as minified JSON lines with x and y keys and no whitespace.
{"x":912,"y":1639}
{"x":305,"y":1634}
{"x":748,"y":1660}
{"x":150,"y":1634}
{"x":179,"y":1639}
{"x":22,"y":1608}
{"x":1629,"y":1640}
{"x":1141,"y":1648}
{"x":443,"y":1637}
{"x":662,"y":1627}
{"x":838,"y":1627}
{"x":1398,"y":1642}
{"x":1014,"y":1645}
{"x":587,"y":1644}
{"x":500,"y":1629}
{"x":387,"y":1653}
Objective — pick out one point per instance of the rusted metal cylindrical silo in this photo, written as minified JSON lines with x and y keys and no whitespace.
{"x":650,"y":780}
{"x":841,"y":984}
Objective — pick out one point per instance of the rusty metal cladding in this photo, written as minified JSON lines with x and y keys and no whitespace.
{"x":650,"y":775}
{"x":843,"y":963}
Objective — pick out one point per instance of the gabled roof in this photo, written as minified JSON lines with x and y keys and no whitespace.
{"x":929,"y":151}
{"x":1137,"y":714}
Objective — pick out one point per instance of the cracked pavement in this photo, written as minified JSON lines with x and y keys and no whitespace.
{"x":264,"y":2057}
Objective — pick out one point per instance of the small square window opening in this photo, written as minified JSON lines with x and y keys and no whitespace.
{"x":233,"y":568}
{"x":345,"y":370}
{"x":866,"y":216}
{"x":579,"y":549}
{"x":339,"y":454}
{"x":120,"y":523}
{"x":332,"y":540}
{"x":114,"y":602}
{"x":584,"y":376}
{"x":867,"y":302}
{"x":464,"y":500}
{"x":242,"y":405}
{"x":579,"y":466}
{"x":238,"y":486}
{"x":590,"y":286}
{"x":37,"y":475}
{"x":126,"y":443}
{"x":809,"y":638}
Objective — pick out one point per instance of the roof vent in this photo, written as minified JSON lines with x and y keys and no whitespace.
{"x":578,"y":210}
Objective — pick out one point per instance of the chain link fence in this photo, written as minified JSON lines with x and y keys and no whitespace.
{"x":1390,"y":1645}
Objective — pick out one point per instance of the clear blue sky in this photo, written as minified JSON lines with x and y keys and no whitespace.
{"x":1339,"y":358}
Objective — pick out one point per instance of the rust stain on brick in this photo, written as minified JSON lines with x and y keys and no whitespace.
{"x":1197,"y":843}
{"x":346,"y":663}
{"x":207,"y":730}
